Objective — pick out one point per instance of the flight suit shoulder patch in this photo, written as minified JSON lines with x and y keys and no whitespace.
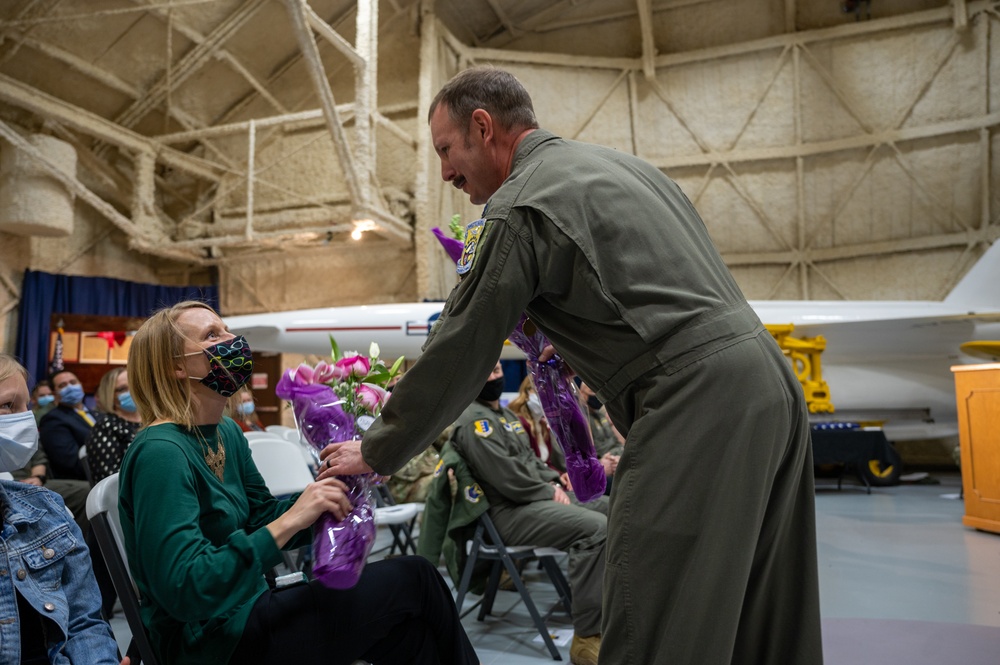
{"x":517,"y":427}
{"x":473,"y":493}
{"x":439,"y":468}
{"x":474,"y":233}
{"x":483,"y":428}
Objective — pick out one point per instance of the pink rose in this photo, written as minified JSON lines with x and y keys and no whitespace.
{"x":356,"y":366}
{"x":371,"y":396}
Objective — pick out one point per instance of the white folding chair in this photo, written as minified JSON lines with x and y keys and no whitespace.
{"x":281,"y":464}
{"x":278,"y":429}
{"x":102,"y":510}
{"x":260,"y":436}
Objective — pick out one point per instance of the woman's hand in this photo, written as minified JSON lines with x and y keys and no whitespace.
{"x":342,"y":459}
{"x":325,"y":495}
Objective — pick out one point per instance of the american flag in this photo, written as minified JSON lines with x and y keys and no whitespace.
{"x":57,"y":354}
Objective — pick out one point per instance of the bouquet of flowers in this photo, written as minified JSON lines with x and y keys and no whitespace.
{"x":332,"y":403}
{"x":556,"y":392}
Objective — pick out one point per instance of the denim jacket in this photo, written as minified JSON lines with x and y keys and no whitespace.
{"x":43,"y":556}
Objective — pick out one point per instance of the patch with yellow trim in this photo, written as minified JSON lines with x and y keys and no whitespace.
{"x":439,"y":468}
{"x":474,"y":233}
{"x":506,"y":425}
{"x":483,"y":428}
{"x":473,"y":493}
{"x":517,"y":428}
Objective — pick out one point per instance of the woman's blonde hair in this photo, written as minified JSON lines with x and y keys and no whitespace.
{"x":10,"y":367}
{"x":106,"y":390}
{"x":519,"y":405}
{"x":153,"y":359}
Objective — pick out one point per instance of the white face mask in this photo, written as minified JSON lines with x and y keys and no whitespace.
{"x":18,"y":440}
{"x":535,"y":405}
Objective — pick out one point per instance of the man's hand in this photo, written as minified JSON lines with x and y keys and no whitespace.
{"x":342,"y":459}
{"x":547,"y":353}
{"x":610,"y":464}
{"x":33,"y":480}
{"x":561,"y":496}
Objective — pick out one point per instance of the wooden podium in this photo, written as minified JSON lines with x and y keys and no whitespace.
{"x":977,"y":393}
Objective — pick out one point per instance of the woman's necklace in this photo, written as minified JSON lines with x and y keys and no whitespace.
{"x":216,"y":459}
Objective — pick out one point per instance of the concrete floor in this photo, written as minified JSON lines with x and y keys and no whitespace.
{"x":901,"y":581}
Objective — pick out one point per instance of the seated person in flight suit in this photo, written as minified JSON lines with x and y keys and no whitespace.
{"x":530,"y":507}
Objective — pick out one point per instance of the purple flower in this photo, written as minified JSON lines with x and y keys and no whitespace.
{"x":451,"y":246}
{"x":562,"y":410}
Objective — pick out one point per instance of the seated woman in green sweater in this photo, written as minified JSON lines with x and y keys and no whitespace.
{"x":201,"y":528}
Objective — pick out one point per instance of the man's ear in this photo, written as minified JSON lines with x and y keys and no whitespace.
{"x":482,"y":124}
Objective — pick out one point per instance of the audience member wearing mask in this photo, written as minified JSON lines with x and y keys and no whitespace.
{"x":115,"y":428}
{"x":42,"y":399}
{"x":200,"y":527}
{"x":246,"y":413}
{"x":528,"y":408}
{"x":530,"y":505}
{"x":66,"y":427}
{"x":47,"y":591}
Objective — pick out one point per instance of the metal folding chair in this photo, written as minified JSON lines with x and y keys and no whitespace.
{"x":486,"y":544}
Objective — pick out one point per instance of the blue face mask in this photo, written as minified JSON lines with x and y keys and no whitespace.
{"x":71,"y":394}
{"x":126,"y":403}
{"x":45,"y":400}
{"x":246,"y":408}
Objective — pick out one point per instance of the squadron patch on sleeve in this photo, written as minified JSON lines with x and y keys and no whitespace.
{"x":517,"y":428}
{"x":473,"y":493}
{"x":439,"y":468}
{"x":483,"y":428}
{"x":474,"y":233}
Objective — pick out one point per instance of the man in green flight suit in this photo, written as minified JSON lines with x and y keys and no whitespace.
{"x":530,"y":507}
{"x":711,"y":554}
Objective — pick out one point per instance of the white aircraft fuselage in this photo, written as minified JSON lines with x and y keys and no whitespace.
{"x":884,"y":360}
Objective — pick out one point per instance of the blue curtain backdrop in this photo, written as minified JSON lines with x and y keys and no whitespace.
{"x":44,"y":294}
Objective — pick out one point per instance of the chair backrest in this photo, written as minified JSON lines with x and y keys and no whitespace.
{"x":281,"y":464}
{"x":291,"y":435}
{"x":278,"y":429}
{"x":258,"y":436}
{"x":102,"y":510}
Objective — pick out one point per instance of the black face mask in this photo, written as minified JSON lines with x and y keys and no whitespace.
{"x":492,"y":390}
{"x":594,"y":403}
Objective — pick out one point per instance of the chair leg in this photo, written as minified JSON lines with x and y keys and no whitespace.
{"x":532,"y":610}
{"x":492,"y":586}
{"x":463,"y":585}
{"x":558,"y":581}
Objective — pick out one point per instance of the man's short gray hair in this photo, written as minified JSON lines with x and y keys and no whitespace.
{"x":495,"y":91}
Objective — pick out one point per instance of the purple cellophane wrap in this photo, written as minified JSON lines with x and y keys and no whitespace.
{"x":340,"y":547}
{"x":452,"y":246}
{"x":562,"y":411}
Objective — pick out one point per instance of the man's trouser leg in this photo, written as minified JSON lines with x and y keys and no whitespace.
{"x":579,"y":531}
{"x":712,"y":539}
